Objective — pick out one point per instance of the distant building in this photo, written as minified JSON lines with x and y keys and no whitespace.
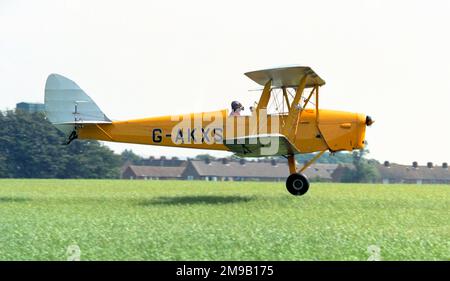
{"x":152,"y":172}
{"x":242,"y":170}
{"x":395,"y":173}
{"x":164,"y":162}
{"x":275,"y":170}
{"x":224,"y":170}
{"x":30,"y":107}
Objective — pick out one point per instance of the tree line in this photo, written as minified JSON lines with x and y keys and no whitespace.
{"x":31,"y":147}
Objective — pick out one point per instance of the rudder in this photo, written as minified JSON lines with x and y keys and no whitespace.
{"x":67,"y":106}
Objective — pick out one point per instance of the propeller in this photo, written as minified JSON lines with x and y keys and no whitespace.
{"x":369,"y":120}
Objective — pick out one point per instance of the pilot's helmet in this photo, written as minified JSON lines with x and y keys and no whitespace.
{"x":236,"y":105}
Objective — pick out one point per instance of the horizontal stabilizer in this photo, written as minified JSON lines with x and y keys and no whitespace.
{"x":81,"y":122}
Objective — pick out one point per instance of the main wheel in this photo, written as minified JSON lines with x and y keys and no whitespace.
{"x":297,"y":184}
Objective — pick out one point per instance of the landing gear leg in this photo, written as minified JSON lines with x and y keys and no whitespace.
{"x":297,"y":183}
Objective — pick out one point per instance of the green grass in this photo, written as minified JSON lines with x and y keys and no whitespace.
{"x":185,"y":220}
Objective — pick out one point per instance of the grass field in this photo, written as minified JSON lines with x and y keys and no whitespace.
{"x":192,"y":220}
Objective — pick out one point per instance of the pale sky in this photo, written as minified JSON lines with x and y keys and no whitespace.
{"x":387,"y":59}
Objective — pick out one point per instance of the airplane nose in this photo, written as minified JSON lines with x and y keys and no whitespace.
{"x":369,"y":120}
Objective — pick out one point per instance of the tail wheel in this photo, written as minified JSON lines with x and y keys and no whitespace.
{"x":297,"y":184}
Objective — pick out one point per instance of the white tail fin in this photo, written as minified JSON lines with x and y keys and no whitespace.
{"x":68,"y":106}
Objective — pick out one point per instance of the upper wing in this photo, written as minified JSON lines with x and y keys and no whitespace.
{"x":286,"y":76}
{"x":261,"y":145}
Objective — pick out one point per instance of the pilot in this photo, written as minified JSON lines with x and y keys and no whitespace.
{"x":236,"y":108}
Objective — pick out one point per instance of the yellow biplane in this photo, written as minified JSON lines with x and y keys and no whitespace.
{"x":286,"y":121}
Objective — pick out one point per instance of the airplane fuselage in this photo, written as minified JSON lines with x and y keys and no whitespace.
{"x":332,"y":130}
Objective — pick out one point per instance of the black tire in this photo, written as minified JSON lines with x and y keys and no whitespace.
{"x":297,"y":184}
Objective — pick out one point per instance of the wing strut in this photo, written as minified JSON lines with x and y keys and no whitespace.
{"x":292,"y":165}
{"x":286,"y":98}
{"x":294,"y":110}
{"x":314,"y":159}
{"x":265,"y":97}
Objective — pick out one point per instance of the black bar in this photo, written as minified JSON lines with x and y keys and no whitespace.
{"x":226,"y":270}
